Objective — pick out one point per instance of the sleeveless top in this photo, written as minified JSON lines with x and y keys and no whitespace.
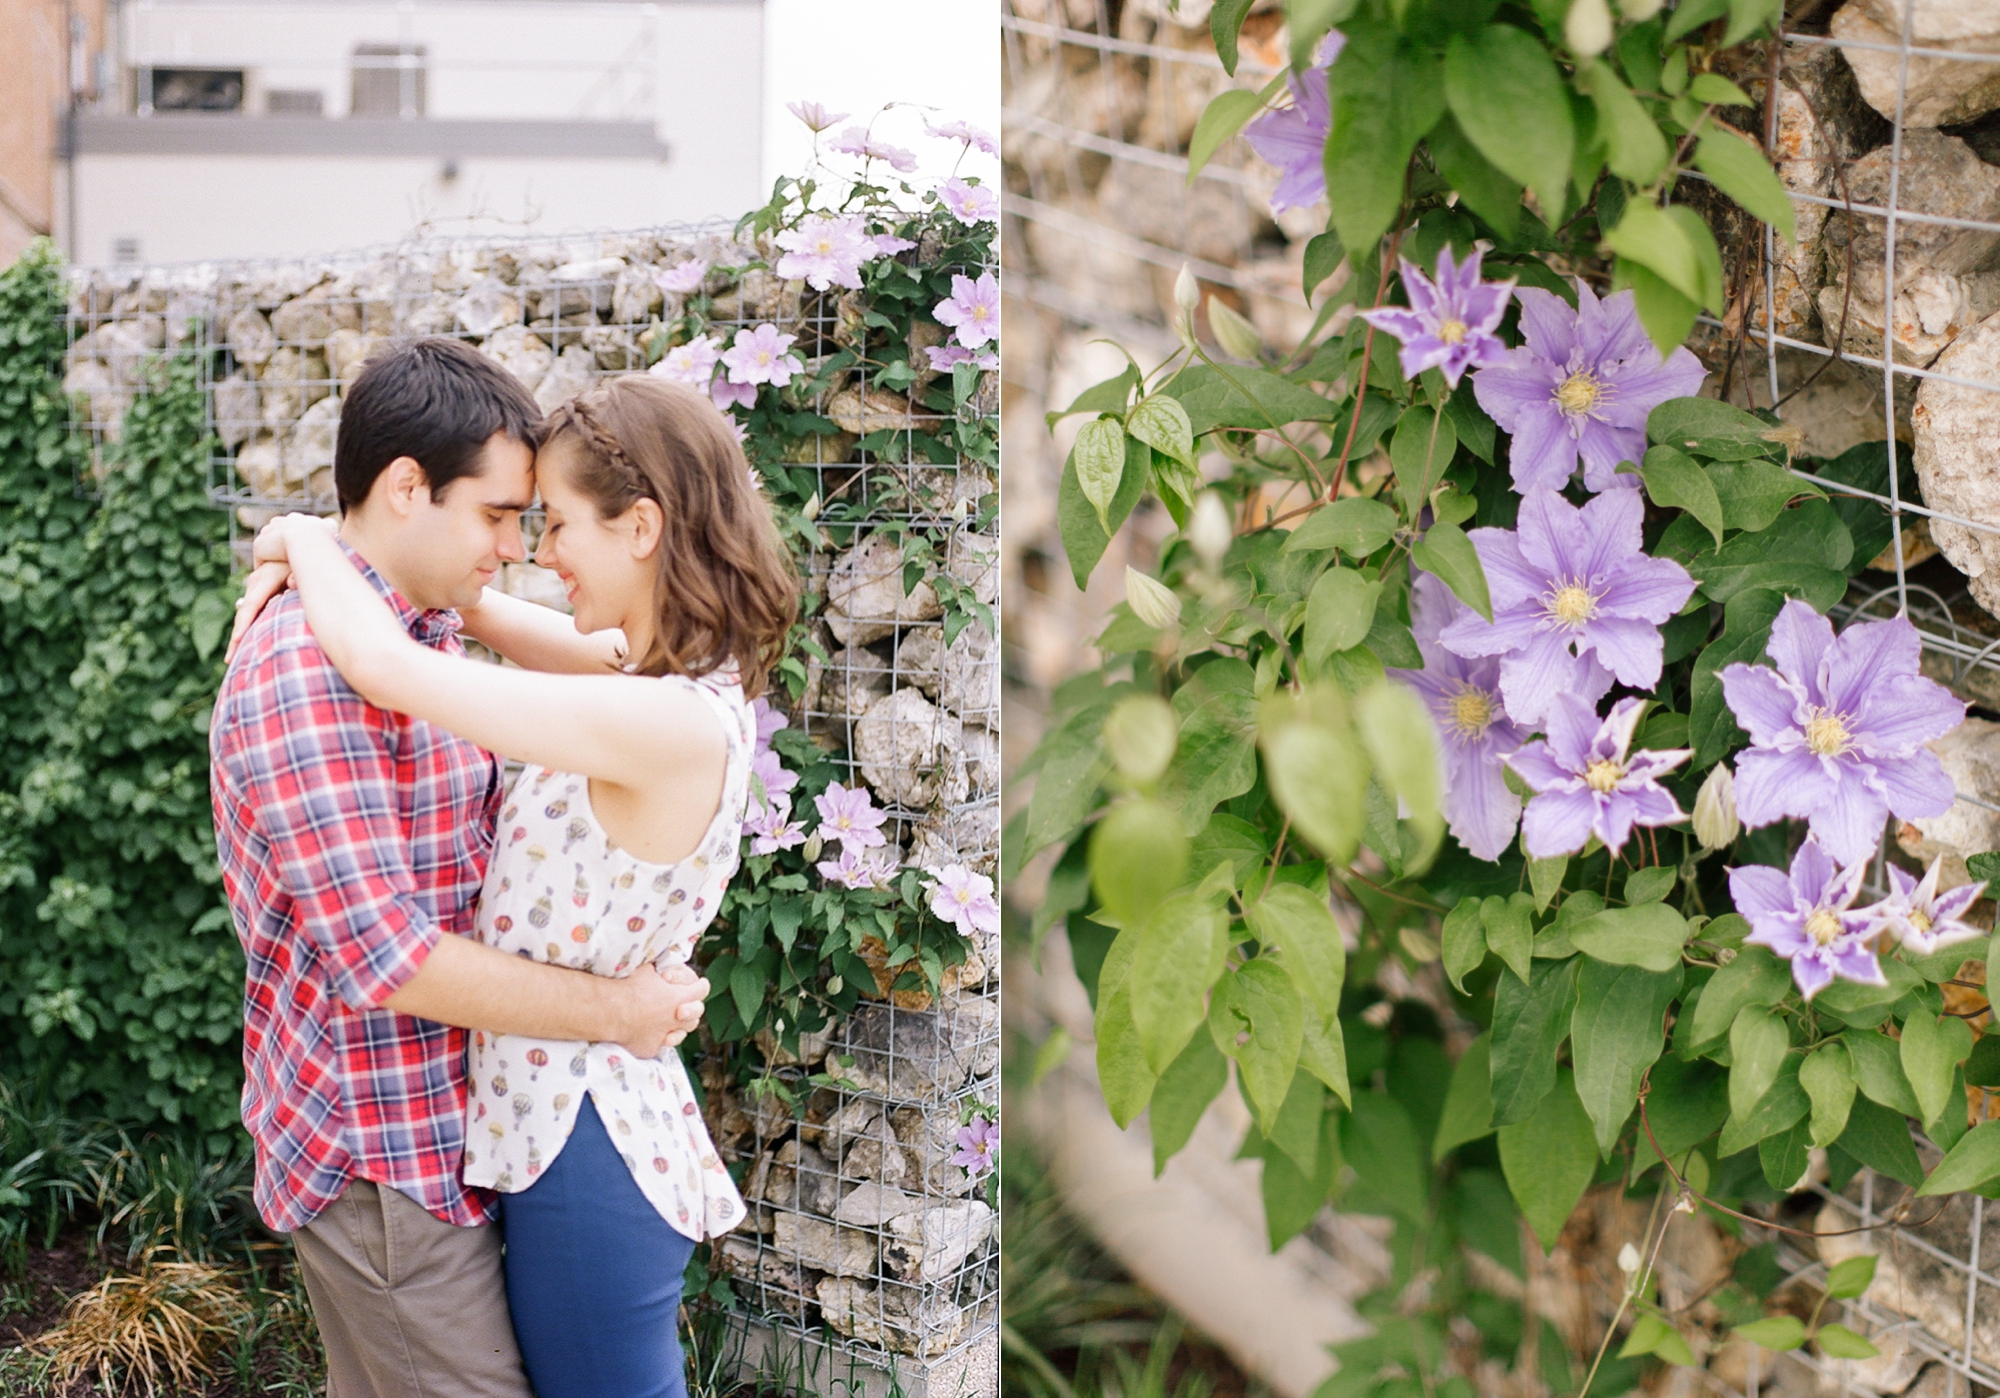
{"x":558,"y":891}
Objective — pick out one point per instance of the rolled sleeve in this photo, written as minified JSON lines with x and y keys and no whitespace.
{"x":321,"y":776}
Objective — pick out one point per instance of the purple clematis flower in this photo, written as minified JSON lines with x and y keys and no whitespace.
{"x":855,"y":141}
{"x":854,"y":869}
{"x":888,"y":244}
{"x":1837,"y":730}
{"x":965,"y":133}
{"x":692,"y":363}
{"x":1294,"y":138}
{"x":973,"y":310}
{"x":1588,"y":782}
{"x":1473,"y":727}
{"x":1923,"y":919}
{"x":969,"y":203}
{"x":771,"y":778}
{"x":1567,"y":582}
{"x":977,"y":1141}
{"x":825,"y":251}
{"x":769,"y":720}
{"x":1581,"y":386}
{"x":726,"y":395}
{"x":945,"y":358}
{"x":680,"y":280}
{"x":965,"y":900}
{"x":814,"y":114}
{"x":759,"y":356}
{"x":772,"y":828}
{"x":1449,"y":323}
{"x":1805,"y":918}
{"x":848,"y":815}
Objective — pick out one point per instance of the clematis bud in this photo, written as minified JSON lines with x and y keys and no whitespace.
{"x":1715,"y":823}
{"x":1639,"y":11}
{"x":1236,"y":335}
{"x":1628,"y":1259}
{"x":811,"y":508}
{"x":1152,"y":601}
{"x":833,"y":985}
{"x":1141,"y":733}
{"x":1187,"y":291}
{"x":1587,"y":30}
{"x":1209,"y":532}
{"x":813,"y":845}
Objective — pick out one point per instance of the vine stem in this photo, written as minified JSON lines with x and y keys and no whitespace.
{"x":1637,"y":1283}
{"x":1361,"y":387}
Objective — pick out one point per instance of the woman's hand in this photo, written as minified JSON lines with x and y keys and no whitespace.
{"x":273,"y":571}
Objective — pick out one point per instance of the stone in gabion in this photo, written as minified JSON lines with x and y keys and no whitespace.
{"x":982,"y":757}
{"x":1938,"y":91}
{"x":921,"y":1054}
{"x":1971,"y":757}
{"x":865,"y":597}
{"x":236,"y":415}
{"x":305,"y":321}
{"x":900,"y":744}
{"x":612,"y":349}
{"x":1953,"y":429}
{"x":582,"y":286}
{"x":309,"y":452}
{"x":573,"y":372}
{"x":260,"y":465}
{"x":974,"y":559}
{"x":348,"y":352}
{"x":852,"y":680}
{"x":487,"y":306}
{"x":798,"y":1177}
{"x":931,"y":1139}
{"x":740,"y":1257}
{"x":291,"y":382}
{"x":249,"y":337}
{"x":521,"y":353}
{"x":825,"y":1247}
{"x":104,"y":400}
{"x":895,"y":1319}
{"x":532,"y":583}
{"x":812,"y":1047}
{"x":872,"y":1204}
{"x":970,"y":684}
{"x":865,"y":410}
{"x":128,"y":346}
{"x":876,"y":1156}
{"x":635,"y":296}
{"x":970,"y":836}
{"x":931,"y":1244}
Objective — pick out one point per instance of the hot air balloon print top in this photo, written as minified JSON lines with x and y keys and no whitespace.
{"x":557,"y":890}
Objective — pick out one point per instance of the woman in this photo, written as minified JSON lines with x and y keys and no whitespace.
{"x":613,"y":849}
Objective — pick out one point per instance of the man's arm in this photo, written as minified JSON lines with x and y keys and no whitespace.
{"x":316,"y":768}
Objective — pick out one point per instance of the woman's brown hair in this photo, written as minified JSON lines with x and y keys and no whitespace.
{"x":726,"y":592}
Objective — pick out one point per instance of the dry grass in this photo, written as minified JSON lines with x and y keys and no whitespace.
{"x":134,"y":1330}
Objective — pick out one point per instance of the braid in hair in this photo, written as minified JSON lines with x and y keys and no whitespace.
{"x":604,"y":443}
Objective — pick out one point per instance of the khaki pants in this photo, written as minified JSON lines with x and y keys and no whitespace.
{"x":408,"y":1306}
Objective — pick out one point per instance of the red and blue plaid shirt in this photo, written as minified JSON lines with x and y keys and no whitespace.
{"x":352,"y":838}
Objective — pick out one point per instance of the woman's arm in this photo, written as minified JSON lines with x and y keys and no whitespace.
{"x":618,"y":728}
{"x":540,"y":638}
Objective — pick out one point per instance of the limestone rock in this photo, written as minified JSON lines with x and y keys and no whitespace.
{"x":824,"y":1247}
{"x":871,"y":1204}
{"x":348,"y":352}
{"x":1953,"y":429}
{"x":931,"y":1138}
{"x":306,"y":320}
{"x":432,"y":314}
{"x":487,"y":306}
{"x":917,"y":1055}
{"x":534,"y":584}
{"x":876,"y":1156}
{"x":895,"y":1318}
{"x":1909,"y":1281}
{"x":920,"y":657}
{"x":865,"y":597}
{"x":573,"y":372}
{"x":584,"y":285}
{"x":812,"y":1047}
{"x":900,"y":744}
{"x":865,"y":410}
{"x":236,"y":415}
{"x":103,"y":400}
{"x":969,"y":685}
{"x":260,"y":466}
{"x":742,"y":1258}
{"x":128,"y":346}
{"x":848,"y":685}
{"x":612,"y":348}
{"x":974,"y":560}
{"x":521,"y":353}
{"x":292,"y":381}
{"x":309,"y":451}
{"x":1938,"y":91}
{"x":970,"y":836}
{"x":798,"y":1177}
{"x":981,"y":747}
{"x":1971,"y":757}
{"x":931,"y":1245}
{"x":856,"y":1119}
{"x":635,"y":296}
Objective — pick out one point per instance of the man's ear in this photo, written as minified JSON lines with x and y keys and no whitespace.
{"x":403,"y":486}
{"x":647,"y":523}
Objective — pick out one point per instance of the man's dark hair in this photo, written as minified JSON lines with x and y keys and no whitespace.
{"x":436,"y":400}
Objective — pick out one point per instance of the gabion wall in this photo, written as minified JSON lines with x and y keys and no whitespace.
{"x":863,"y":1235}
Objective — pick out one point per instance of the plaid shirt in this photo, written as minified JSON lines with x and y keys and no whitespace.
{"x":351,"y":839}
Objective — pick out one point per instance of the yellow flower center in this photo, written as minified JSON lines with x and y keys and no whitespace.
{"x":1823,"y":927}
{"x":1603,"y":775}
{"x":1452,"y":331}
{"x":1471,"y":711}
{"x":1920,"y":924}
{"x":1572,"y":605}
{"x":1579,"y":393}
{"x":1827,"y":735}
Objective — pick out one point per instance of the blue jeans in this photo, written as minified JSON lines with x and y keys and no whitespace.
{"x":594,"y":1276}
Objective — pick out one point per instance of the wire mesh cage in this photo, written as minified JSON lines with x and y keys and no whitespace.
{"x":1875,"y":338}
{"x":865,"y":1238}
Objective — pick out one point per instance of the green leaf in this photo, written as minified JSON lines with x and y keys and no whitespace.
{"x":1784,"y":1104}
{"x":1485,"y":190}
{"x":1653,"y":1335}
{"x":1545,"y":876}
{"x":1638,"y":152}
{"x":1217,"y":757}
{"x":1383,"y":95}
{"x":1617,"y":1032}
{"x":1748,"y":16}
{"x":1485,"y":1219}
{"x":1932,"y":1047}
{"x":209,"y":621}
{"x":1651,"y":936}
{"x":1967,"y":1165}
{"x":1323,"y":256}
{"x":1651,"y":884}
{"x":1300,"y":924}
{"x":1296,"y":1131}
{"x":1241,"y":396}
{"x":1122,"y":1074}
{"x":1549,"y":1160}
{"x":1178,"y":956}
{"x":1717,"y":90}
{"x":1262,"y":996}
{"x":1462,"y":941}
{"x":1468,"y":1104}
{"x":1740,"y":170}
{"x":1711,"y":428}
{"x":1667,"y":315}
{"x":1688,"y":1102}
{"x":1446,"y":552}
{"x":1420,"y":451}
{"x":1340,"y":609}
{"x":1838,"y":1342}
{"x":1084,"y":537}
{"x":1827,"y":1075}
{"x":1779,"y":1332}
{"x":1109,"y":396}
{"x":1509,"y":101}
{"x":1880,"y":1139}
{"x":1784,"y":1156}
{"x":1510,"y":930}
{"x":1137,"y":853}
{"x":1222,"y":118}
{"x":1319,"y":778}
{"x":1648,"y":236}
{"x":1225,"y":24}
{"x":1355,"y":526}
{"x":1758,"y":1041}
{"x":1401,"y":740}
{"x":1676,"y":481}
{"x":1849,"y":1279}
{"x":1530,"y":1021}
{"x":1380,"y":1143}
{"x":1182,"y":1094}
{"x":1753,"y":493}
{"x":1323,"y":1052}
{"x":1162,"y":424}
{"x":1099,"y":455}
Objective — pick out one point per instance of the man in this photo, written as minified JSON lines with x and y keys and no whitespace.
{"x":353,"y":844}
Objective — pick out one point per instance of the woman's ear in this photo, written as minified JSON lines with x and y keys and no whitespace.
{"x":647,"y":522}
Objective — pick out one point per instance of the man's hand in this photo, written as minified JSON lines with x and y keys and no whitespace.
{"x":661,"y":1008}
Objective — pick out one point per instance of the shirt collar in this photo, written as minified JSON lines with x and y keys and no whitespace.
{"x":428,"y":627}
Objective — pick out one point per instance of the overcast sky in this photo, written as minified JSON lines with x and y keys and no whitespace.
{"x":856,"y":55}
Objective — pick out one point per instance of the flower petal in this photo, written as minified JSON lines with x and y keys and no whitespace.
{"x":1539,"y":767}
{"x":1901,"y":715}
{"x":1609,"y":330}
{"x":1848,"y":820}
{"x":1613,"y":821}
{"x":1649,"y":589}
{"x":1550,"y":534}
{"x":1857,"y":963}
{"x":1799,"y":641}
{"x":1405,"y":324}
{"x":1509,"y":631}
{"x":1764,"y":702}
{"x":1772,"y":783}
{"x":1557,"y":823}
{"x":1653,"y":805}
{"x":1608,"y":530}
{"x":1604,"y":448}
{"x":1573,"y":730}
{"x":1511,"y":578}
{"x":1914,"y":787}
{"x":1631,"y":650}
{"x":1811,"y":975}
{"x":1479,"y":809}
{"x":1548,"y":325}
{"x":1759,"y":891}
{"x":1531,"y":677}
{"x":1517,"y":384}
{"x":1641,"y":385}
